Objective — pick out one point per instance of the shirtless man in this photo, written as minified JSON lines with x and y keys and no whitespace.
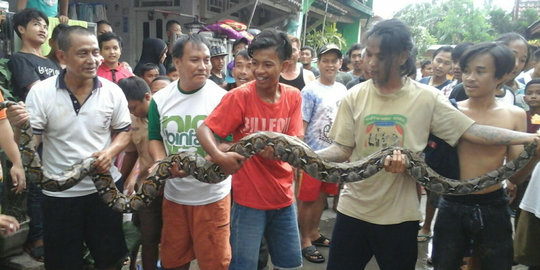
{"x":481,"y":218}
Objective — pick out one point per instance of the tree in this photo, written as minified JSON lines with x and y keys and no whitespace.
{"x":317,"y":38}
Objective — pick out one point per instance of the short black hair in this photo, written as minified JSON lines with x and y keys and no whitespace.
{"x":395,"y":39}
{"x":271,"y":38}
{"x":110,"y":36}
{"x":531,"y":82}
{"x":144,"y":68}
{"x":503,"y":58}
{"x":25,"y":16}
{"x":180,"y":43}
{"x":459,"y":50}
{"x":134,"y":88}
{"x":311,"y":50}
{"x":345,"y":63}
{"x":242,"y":53}
{"x":442,"y":49}
{"x":170,"y":23}
{"x":355,"y":47}
{"x":101,"y":22}
{"x":161,"y":78}
{"x":424,"y":63}
{"x":60,"y":28}
{"x":171,"y":69}
{"x":240,"y":40}
{"x":64,"y":37}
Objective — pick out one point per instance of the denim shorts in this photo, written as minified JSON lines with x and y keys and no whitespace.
{"x":483,"y":220}
{"x":279,"y":227}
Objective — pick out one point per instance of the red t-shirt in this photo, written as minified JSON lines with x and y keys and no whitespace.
{"x":2,"y":112}
{"x":260,"y":183}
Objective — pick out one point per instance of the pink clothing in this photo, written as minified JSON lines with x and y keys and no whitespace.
{"x":113,"y":75}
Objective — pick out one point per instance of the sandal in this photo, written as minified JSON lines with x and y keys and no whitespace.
{"x":312,"y":254}
{"x":322,"y":241}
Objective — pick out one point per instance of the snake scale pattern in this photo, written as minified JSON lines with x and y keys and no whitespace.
{"x":286,"y":148}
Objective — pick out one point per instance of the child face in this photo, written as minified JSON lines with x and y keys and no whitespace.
{"x":242,"y":70}
{"x":479,"y":76}
{"x":532,"y":95}
{"x":111,"y":51}
{"x":150,"y":75}
{"x":266,"y":67}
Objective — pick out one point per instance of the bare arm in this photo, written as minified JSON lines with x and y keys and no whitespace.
{"x":488,"y":135}
{"x":156,"y":150}
{"x":335,"y":152}
{"x":63,"y":10}
{"x":9,"y":145}
{"x":230,"y":162}
{"x":21,"y":4}
{"x":104,"y":157}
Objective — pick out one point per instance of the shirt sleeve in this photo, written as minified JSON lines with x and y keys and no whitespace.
{"x":448,"y":123}
{"x":228,"y":115}
{"x":342,"y":130}
{"x":154,"y":132}
{"x":36,"y":107}
{"x":308,"y":105}
{"x":121,"y":118}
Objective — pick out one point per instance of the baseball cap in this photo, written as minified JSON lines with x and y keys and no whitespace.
{"x":217,"y":51}
{"x":328,"y":48}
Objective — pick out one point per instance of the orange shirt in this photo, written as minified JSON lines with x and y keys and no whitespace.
{"x":2,"y":112}
{"x":261,"y":183}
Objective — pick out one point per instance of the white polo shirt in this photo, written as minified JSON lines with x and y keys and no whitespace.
{"x":71,"y":132}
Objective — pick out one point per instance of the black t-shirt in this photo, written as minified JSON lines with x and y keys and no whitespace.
{"x":219,"y":81}
{"x":27,"y":68}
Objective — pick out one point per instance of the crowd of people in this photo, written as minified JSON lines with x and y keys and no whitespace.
{"x":82,"y":101}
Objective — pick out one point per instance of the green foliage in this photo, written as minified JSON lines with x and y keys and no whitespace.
{"x":5,"y":80}
{"x":316,"y":38}
{"x":456,"y":21}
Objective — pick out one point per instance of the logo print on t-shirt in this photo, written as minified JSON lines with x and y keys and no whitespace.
{"x":383,"y":131}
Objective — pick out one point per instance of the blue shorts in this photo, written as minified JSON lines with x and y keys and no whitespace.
{"x":355,"y":241}
{"x":279,"y":227}
{"x":70,"y":222}
{"x":481,"y":219}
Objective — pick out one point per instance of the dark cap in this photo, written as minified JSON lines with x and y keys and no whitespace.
{"x":240,"y":40}
{"x":328,"y":48}
{"x":217,"y":51}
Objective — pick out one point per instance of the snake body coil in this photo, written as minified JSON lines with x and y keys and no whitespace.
{"x":286,"y":148}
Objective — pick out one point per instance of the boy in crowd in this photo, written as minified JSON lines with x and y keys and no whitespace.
{"x":357,"y":62}
{"x":28,"y":66}
{"x":442,"y":66}
{"x":241,"y":71}
{"x":196,"y":215}
{"x":159,"y":83}
{"x":103,"y":27}
{"x":262,"y":186}
{"x":110,"y":47}
{"x":457,"y":52}
{"x":306,"y":58}
{"x":293,"y":74}
{"x":172,"y":73}
{"x":136,"y":163}
{"x":320,"y":100}
{"x":379,"y":216}
{"x":148,"y":72}
{"x":217,"y":58}
{"x":483,"y":216}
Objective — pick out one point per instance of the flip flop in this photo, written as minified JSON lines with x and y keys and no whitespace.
{"x":312,"y":254}
{"x":423,"y":238}
{"x":321,"y":241}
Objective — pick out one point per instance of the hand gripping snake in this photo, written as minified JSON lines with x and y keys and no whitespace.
{"x":288,"y":149}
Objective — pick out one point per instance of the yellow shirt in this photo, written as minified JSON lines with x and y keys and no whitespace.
{"x":368,"y":121}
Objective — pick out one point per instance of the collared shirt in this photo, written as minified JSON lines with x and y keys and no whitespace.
{"x":113,"y":74}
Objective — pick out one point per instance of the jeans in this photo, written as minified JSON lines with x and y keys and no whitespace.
{"x":483,"y":220}
{"x":279,"y":227}
{"x":35,"y":198}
